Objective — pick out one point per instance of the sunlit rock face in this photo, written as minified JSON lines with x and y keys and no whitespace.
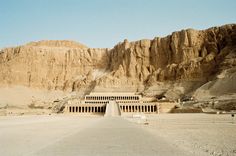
{"x":173,"y":65}
{"x":61,"y":65}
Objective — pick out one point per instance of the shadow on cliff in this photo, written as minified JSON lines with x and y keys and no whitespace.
{"x":90,"y":88}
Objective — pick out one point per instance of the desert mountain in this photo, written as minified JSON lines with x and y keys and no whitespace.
{"x":199,"y":63}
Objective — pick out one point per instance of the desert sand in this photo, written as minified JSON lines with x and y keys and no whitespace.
{"x":23,"y":135}
{"x":200,"y":134}
{"x":165,"y":134}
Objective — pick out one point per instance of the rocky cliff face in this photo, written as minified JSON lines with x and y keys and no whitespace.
{"x":188,"y":54}
{"x":52,"y":65}
{"x":185,"y":56}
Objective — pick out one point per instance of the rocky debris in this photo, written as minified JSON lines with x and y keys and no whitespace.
{"x":59,"y":105}
{"x":186,"y":110}
{"x":226,"y":105}
{"x":221,"y":85}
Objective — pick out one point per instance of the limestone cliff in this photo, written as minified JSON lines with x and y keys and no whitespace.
{"x":180,"y":62}
{"x":54,"y":65}
{"x":185,"y":56}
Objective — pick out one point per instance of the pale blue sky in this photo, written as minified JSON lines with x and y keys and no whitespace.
{"x":104,"y":23}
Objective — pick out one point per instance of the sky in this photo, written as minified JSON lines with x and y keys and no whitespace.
{"x":104,"y":23}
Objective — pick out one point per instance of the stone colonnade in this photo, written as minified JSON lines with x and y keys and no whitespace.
{"x":86,"y":109}
{"x":112,"y":97}
{"x":124,"y":108}
{"x":139,"y":108}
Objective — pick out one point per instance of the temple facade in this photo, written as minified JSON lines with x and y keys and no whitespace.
{"x":95,"y":103}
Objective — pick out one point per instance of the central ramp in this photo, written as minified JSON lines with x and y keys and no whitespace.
{"x":113,"y":136}
{"x":112,"y":109}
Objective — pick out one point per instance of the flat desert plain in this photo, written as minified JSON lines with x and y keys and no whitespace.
{"x":164,"y":134}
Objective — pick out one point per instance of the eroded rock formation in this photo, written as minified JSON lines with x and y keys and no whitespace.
{"x":167,"y":63}
{"x":53,"y":65}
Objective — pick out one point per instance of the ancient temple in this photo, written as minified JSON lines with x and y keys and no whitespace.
{"x":96,"y":103}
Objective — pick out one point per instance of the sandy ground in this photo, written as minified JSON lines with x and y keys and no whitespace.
{"x":112,"y":136}
{"x":200,"y":134}
{"x":23,"y":135}
{"x":166,"y":134}
{"x":21,"y":96}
